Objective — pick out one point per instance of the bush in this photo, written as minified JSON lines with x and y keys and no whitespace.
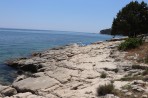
{"x":130,"y":43}
{"x":105,"y":89}
{"x":103,"y":75}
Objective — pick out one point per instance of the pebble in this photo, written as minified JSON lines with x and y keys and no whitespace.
{"x":144,"y":96}
{"x":125,"y":91}
{"x":135,"y":96}
{"x":128,"y":94}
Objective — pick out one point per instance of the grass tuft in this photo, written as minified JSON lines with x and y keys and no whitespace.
{"x":103,"y":75}
{"x":105,"y":89}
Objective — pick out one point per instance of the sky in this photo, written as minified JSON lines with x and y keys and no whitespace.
{"x":65,"y":15}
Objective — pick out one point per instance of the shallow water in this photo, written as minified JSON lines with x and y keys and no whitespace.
{"x":17,"y":43}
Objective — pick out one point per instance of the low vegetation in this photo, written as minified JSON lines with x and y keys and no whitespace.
{"x":139,"y":67}
{"x":106,"y":89}
{"x":146,"y":59}
{"x":130,"y":43}
{"x":131,"y":78}
{"x":145,"y":72}
{"x":139,"y":54}
{"x":135,"y":94}
{"x":103,"y":75}
{"x":137,"y":76}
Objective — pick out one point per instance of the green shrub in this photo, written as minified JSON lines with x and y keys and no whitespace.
{"x":103,"y":75}
{"x":105,"y":89}
{"x":130,"y":43}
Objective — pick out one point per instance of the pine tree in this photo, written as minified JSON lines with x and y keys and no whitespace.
{"x":132,"y":20}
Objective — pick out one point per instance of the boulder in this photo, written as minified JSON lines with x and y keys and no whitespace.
{"x":9,"y":91}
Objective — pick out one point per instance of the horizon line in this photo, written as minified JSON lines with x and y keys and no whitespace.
{"x":11,"y":28}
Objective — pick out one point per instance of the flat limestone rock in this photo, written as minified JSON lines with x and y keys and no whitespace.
{"x":62,"y":74}
{"x":89,"y":74}
{"x":33,"y":84}
{"x":70,"y":72}
{"x":72,"y":94}
{"x":25,"y":95}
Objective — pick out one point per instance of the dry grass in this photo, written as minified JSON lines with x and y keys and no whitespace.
{"x":141,"y":51}
{"x":128,"y":87}
{"x":134,"y":93}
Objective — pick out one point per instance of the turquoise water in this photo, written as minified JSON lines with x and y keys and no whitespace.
{"x":17,"y":43}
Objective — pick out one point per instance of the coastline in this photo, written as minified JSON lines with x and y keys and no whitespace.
{"x":71,"y":71}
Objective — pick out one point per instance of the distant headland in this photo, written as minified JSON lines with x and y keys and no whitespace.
{"x":106,"y":31}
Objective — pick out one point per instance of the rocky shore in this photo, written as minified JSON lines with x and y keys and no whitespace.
{"x":75,"y":72}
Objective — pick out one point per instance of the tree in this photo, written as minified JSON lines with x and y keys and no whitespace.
{"x":132,"y":20}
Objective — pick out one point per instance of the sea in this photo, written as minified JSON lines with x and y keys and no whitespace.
{"x":15,"y":43}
